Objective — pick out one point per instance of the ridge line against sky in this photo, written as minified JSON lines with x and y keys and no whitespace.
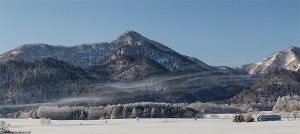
{"x":230,"y":32}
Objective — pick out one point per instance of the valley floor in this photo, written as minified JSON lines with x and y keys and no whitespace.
{"x":155,"y":126}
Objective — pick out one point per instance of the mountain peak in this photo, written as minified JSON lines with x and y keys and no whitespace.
{"x":132,"y":34}
{"x":293,"y":49}
{"x":129,"y":37}
{"x":288,"y":59}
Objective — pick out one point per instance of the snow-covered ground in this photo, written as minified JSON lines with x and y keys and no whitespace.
{"x":155,"y":126}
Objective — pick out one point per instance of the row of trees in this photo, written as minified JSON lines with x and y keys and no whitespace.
{"x":287,"y":104}
{"x":115,"y":111}
{"x":133,"y":110}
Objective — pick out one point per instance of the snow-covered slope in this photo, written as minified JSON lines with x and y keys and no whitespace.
{"x":130,"y":43}
{"x":81,"y":55}
{"x":134,"y":38}
{"x":287,"y":59}
{"x":120,"y":56}
{"x":160,"y":59}
{"x":200,"y":63}
{"x":45,"y":73}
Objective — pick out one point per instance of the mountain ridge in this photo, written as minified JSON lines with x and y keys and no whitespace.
{"x":288,"y":59}
{"x":130,"y":68}
{"x":130,"y":58}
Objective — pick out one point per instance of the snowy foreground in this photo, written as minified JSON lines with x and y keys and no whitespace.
{"x":157,"y":126}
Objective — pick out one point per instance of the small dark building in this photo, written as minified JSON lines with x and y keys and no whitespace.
{"x":268,"y":118}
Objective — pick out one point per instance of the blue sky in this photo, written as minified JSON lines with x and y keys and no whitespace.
{"x":218,"y":32}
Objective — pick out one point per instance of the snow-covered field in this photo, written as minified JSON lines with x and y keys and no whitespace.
{"x":155,"y":126}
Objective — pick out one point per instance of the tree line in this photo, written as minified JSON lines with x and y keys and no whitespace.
{"x":287,"y":104}
{"x":133,"y":110}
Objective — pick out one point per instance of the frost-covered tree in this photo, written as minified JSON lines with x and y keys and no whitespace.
{"x":287,"y":104}
{"x":3,"y":125}
{"x":126,"y":112}
{"x":134,"y":113}
{"x":248,"y":117}
{"x":81,"y":116}
{"x":116,"y":113}
{"x":95,"y":112}
{"x":295,"y":114}
{"x":108,"y":110}
{"x":55,"y":112}
{"x":153,"y":112}
{"x":146,"y":113}
{"x":162,"y":112}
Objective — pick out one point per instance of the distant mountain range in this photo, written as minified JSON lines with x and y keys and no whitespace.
{"x":287,"y":59}
{"x":131,"y":68}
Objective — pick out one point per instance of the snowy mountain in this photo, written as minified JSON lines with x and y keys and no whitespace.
{"x":135,"y":46}
{"x":287,"y":59}
{"x":134,"y":38}
{"x":35,"y":73}
{"x":81,"y":55}
{"x":264,"y":93}
{"x":131,"y":68}
{"x":127,"y":53}
{"x":39,"y":81}
{"x":131,"y":44}
{"x":51,"y":80}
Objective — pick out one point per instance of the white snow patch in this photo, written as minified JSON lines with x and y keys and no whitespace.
{"x":155,"y":126}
